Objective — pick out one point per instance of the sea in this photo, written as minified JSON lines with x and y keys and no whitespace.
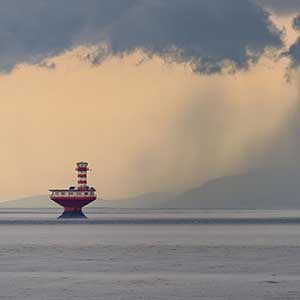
{"x":119,"y":254}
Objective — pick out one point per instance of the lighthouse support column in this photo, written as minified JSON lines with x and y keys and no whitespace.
{"x":72,"y":213}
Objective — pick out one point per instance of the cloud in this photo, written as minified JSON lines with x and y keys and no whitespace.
{"x":282,"y":6}
{"x":146,"y":128}
{"x":294,"y":54}
{"x":296,"y":23}
{"x":294,"y":50}
{"x":34,"y":29}
{"x":208,"y":35}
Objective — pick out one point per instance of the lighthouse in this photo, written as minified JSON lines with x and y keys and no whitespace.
{"x":75,"y":197}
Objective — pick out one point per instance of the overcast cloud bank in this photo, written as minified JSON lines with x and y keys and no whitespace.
{"x":207,"y":35}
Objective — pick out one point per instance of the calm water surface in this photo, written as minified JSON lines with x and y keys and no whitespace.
{"x":150,"y":254}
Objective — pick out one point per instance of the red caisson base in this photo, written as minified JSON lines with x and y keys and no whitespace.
{"x":73,"y":206}
{"x":72,"y":213}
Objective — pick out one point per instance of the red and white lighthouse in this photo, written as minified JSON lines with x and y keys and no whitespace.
{"x":74,"y":198}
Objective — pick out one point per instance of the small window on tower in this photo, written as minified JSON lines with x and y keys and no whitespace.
{"x":70,"y":193}
{"x":86,"y":193}
{"x":62,"y":193}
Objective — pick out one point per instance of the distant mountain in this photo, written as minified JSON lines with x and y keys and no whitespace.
{"x":276,"y":189}
{"x":149,"y":200}
{"x":41,"y":201}
{"x":273,"y":189}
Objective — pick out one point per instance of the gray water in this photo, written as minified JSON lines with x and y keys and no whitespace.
{"x":150,"y":254}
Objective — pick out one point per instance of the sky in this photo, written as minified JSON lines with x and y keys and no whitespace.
{"x":156,"y":95}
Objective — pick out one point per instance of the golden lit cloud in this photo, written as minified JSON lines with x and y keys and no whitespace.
{"x":143,"y":127}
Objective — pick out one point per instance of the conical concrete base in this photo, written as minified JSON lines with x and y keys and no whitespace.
{"x":77,"y":214}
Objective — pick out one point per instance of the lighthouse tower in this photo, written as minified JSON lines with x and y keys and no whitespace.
{"x":74,"y":198}
{"x":82,"y":168}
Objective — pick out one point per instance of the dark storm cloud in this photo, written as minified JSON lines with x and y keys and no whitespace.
{"x":282,"y":6}
{"x":296,"y":23}
{"x":294,"y":54}
{"x":206,"y":34}
{"x":33,"y":29}
{"x":294,"y":51}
